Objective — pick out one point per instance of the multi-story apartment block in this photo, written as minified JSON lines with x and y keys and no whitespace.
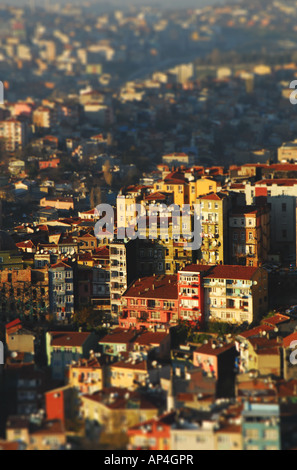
{"x":14,"y":134}
{"x":213,"y":210}
{"x":281,"y":195}
{"x":150,"y":302}
{"x":101,"y":288}
{"x":222,"y":293}
{"x":126,"y":201}
{"x":249,"y":235}
{"x":235,"y":294}
{"x":171,"y":243}
{"x":122,"y":272}
{"x":261,"y":426}
{"x":191,"y":293}
{"x":43,"y":117}
{"x":61,"y":291}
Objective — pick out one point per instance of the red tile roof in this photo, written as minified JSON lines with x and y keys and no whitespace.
{"x":116,"y":398}
{"x":13,"y":324}
{"x":288,"y":339}
{"x":213,"y":349}
{"x":50,"y":427}
{"x":119,"y":336}
{"x":223,"y":271}
{"x":265,"y":346}
{"x":213,"y":196}
{"x":150,"y":338}
{"x":278,"y":182}
{"x":9,"y":445}
{"x":154,"y":287}
{"x":275,"y":320}
{"x":60,"y":264}
{"x":254,"y":332}
{"x":68,"y":338}
{"x":166,"y":419}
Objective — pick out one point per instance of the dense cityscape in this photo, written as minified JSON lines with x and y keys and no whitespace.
{"x":148,"y":202}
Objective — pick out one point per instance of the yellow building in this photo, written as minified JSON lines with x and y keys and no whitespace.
{"x":175,"y":183}
{"x":117,"y":409}
{"x":87,"y":375}
{"x":174,"y":252}
{"x":229,"y":437}
{"x":235,"y":294}
{"x":128,"y":374}
{"x":206,"y":186}
{"x":213,"y":210}
{"x":185,"y":187}
{"x":126,"y":212}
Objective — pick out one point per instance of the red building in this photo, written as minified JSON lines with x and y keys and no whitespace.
{"x":60,"y":403}
{"x":150,"y":301}
{"x":53,"y":163}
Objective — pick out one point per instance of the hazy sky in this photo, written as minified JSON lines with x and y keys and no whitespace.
{"x":119,"y":3}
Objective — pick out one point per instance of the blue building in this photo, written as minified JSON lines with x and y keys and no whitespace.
{"x":261,"y":426}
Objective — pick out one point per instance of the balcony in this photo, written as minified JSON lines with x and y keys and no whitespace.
{"x":117,"y":289}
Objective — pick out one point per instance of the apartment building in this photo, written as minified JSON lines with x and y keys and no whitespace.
{"x":249,"y":235}
{"x":191,"y":293}
{"x":213,"y":210}
{"x":235,"y":294}
{"x":61,"y":291}
{"x":222,"y":293}
{"x":281,"y":195}
{"x":64,"y":347}
{"x":14,"y":134}
{"x":261,"y":426}
{"x":122,"y":272}
{"x":151,"y":302}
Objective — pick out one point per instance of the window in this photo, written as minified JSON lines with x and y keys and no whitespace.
{"x":284,"y":207}
{"x":271,"y":435}
{"x":252,"y":434}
